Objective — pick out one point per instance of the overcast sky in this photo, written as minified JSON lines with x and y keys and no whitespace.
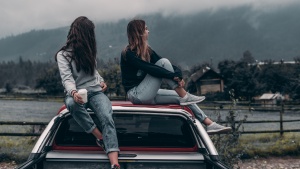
{"x":19,"y":16}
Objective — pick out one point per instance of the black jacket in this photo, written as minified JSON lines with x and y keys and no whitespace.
{"x":134,"y":69}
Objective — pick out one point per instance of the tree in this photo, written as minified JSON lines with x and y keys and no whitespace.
{"x":241,"y":77}
{"x":277,"y":78}
{"x":297,"y":59}
{"x":50,"y":81}
{"x":247,"y":57}
{"x":8,"y":87}
{"x":112,"y":76}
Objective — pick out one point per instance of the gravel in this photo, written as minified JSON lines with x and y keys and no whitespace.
{"x":271,"y":163}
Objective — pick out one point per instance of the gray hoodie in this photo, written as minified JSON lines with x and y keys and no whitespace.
{"x":73,"y":80}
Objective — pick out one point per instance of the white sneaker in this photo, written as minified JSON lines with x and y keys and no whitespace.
{"x":217,"y":128}
{"x":191,"y":99}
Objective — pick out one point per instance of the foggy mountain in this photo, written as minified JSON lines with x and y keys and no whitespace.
{"x":208,"y":36}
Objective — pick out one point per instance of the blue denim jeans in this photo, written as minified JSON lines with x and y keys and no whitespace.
{"x":149,"y":92}
{"x":101,"y":106}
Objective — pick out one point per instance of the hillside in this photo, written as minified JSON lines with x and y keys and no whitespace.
{"x":208,"y":36}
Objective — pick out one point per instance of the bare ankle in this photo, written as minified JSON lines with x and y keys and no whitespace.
{"x":180,"y":91}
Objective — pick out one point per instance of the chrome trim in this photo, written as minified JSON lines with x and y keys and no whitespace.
{"x":153,"y":109}
{"x":208,"y":143}
{"x":158,"y":111}
{"x":43,"y":138}
{"x":140,"y":156}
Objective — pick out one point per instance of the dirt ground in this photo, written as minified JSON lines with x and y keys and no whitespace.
{"x":271,"y":163}
{"x":260,"y":163}
{"x":8,"y":165}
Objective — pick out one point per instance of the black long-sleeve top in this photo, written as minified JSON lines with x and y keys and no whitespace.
{"x":134,"y":69}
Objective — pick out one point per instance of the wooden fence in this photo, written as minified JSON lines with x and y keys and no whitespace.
{"x":37,"y":127}
{"x":266,"y":107}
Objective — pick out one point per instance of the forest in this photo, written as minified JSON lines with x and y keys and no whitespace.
{"x":245,"y":76}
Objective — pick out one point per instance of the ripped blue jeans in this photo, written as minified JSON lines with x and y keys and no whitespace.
{"x":101,"y":106}
{"x":149,"y":92}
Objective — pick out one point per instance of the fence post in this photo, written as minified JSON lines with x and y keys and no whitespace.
{"x":281,"y":121}
{"x":232,"y":120}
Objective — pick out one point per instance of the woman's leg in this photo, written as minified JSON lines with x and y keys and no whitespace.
{"x":79,"y":113}
{"x":170,"y":97}
{"x":145,"y":92}
{"x":200,"y":115}
{"x":102,"y":107}
{"x":82,"y":117}
{"x":164,"y":96}
{"x":212,"y":127}
{"x":147,"y":89}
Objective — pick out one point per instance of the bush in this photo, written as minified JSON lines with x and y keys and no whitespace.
{"x":228,"y":144}
{"x":50,"y":81}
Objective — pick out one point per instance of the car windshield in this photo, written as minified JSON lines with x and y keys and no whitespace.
{"x":133,"y":130}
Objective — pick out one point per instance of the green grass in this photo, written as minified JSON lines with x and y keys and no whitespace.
{"x":234,"y":147}
{"x":16,"y":148}
{"x":264,"y":145}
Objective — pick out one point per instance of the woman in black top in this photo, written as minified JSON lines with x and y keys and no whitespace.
{"x":143,"y":71}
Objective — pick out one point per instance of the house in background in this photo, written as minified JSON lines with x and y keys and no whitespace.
{"x":206,"y":81}
{"x":270,"y":99}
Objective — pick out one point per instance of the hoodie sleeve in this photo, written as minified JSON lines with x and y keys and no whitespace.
{"x":65,"y":70}
{"x":99,"y":77}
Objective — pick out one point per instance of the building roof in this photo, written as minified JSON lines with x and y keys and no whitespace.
{"x":200,"y":73}
{"x":269,"y":96}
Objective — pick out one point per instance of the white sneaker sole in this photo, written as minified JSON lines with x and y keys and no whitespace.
{"x":220,"y":131}
{"x":192,"y":102}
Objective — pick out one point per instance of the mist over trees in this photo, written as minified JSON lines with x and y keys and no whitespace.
{"x":208,"y":36}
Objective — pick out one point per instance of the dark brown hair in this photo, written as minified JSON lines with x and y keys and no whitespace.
{"x":81,"y":43}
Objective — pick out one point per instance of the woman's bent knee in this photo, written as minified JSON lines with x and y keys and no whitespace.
{"x":70,"y":103}
{"x":165,"y":63}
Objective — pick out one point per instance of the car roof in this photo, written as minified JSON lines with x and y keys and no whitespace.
{"x":128,"y":104}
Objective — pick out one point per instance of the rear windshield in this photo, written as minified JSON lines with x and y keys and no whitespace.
{"x":133,"y":130}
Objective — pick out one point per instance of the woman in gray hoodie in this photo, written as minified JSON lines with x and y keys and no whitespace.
{"x":77,"y":66}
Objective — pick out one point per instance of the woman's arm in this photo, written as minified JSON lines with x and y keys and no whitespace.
{"x":151,"y":68}
{"x":65,"y":71}
{"x":101,"y":80}
{"x":99,"y":77}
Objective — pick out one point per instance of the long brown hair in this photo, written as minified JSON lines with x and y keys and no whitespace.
{"x":136,"y":39}
{"x":81,"y":43}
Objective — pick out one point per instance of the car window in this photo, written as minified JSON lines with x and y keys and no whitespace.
{"x":138,"y":130}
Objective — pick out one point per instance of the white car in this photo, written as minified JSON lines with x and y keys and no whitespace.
{"x":150,"y":136}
